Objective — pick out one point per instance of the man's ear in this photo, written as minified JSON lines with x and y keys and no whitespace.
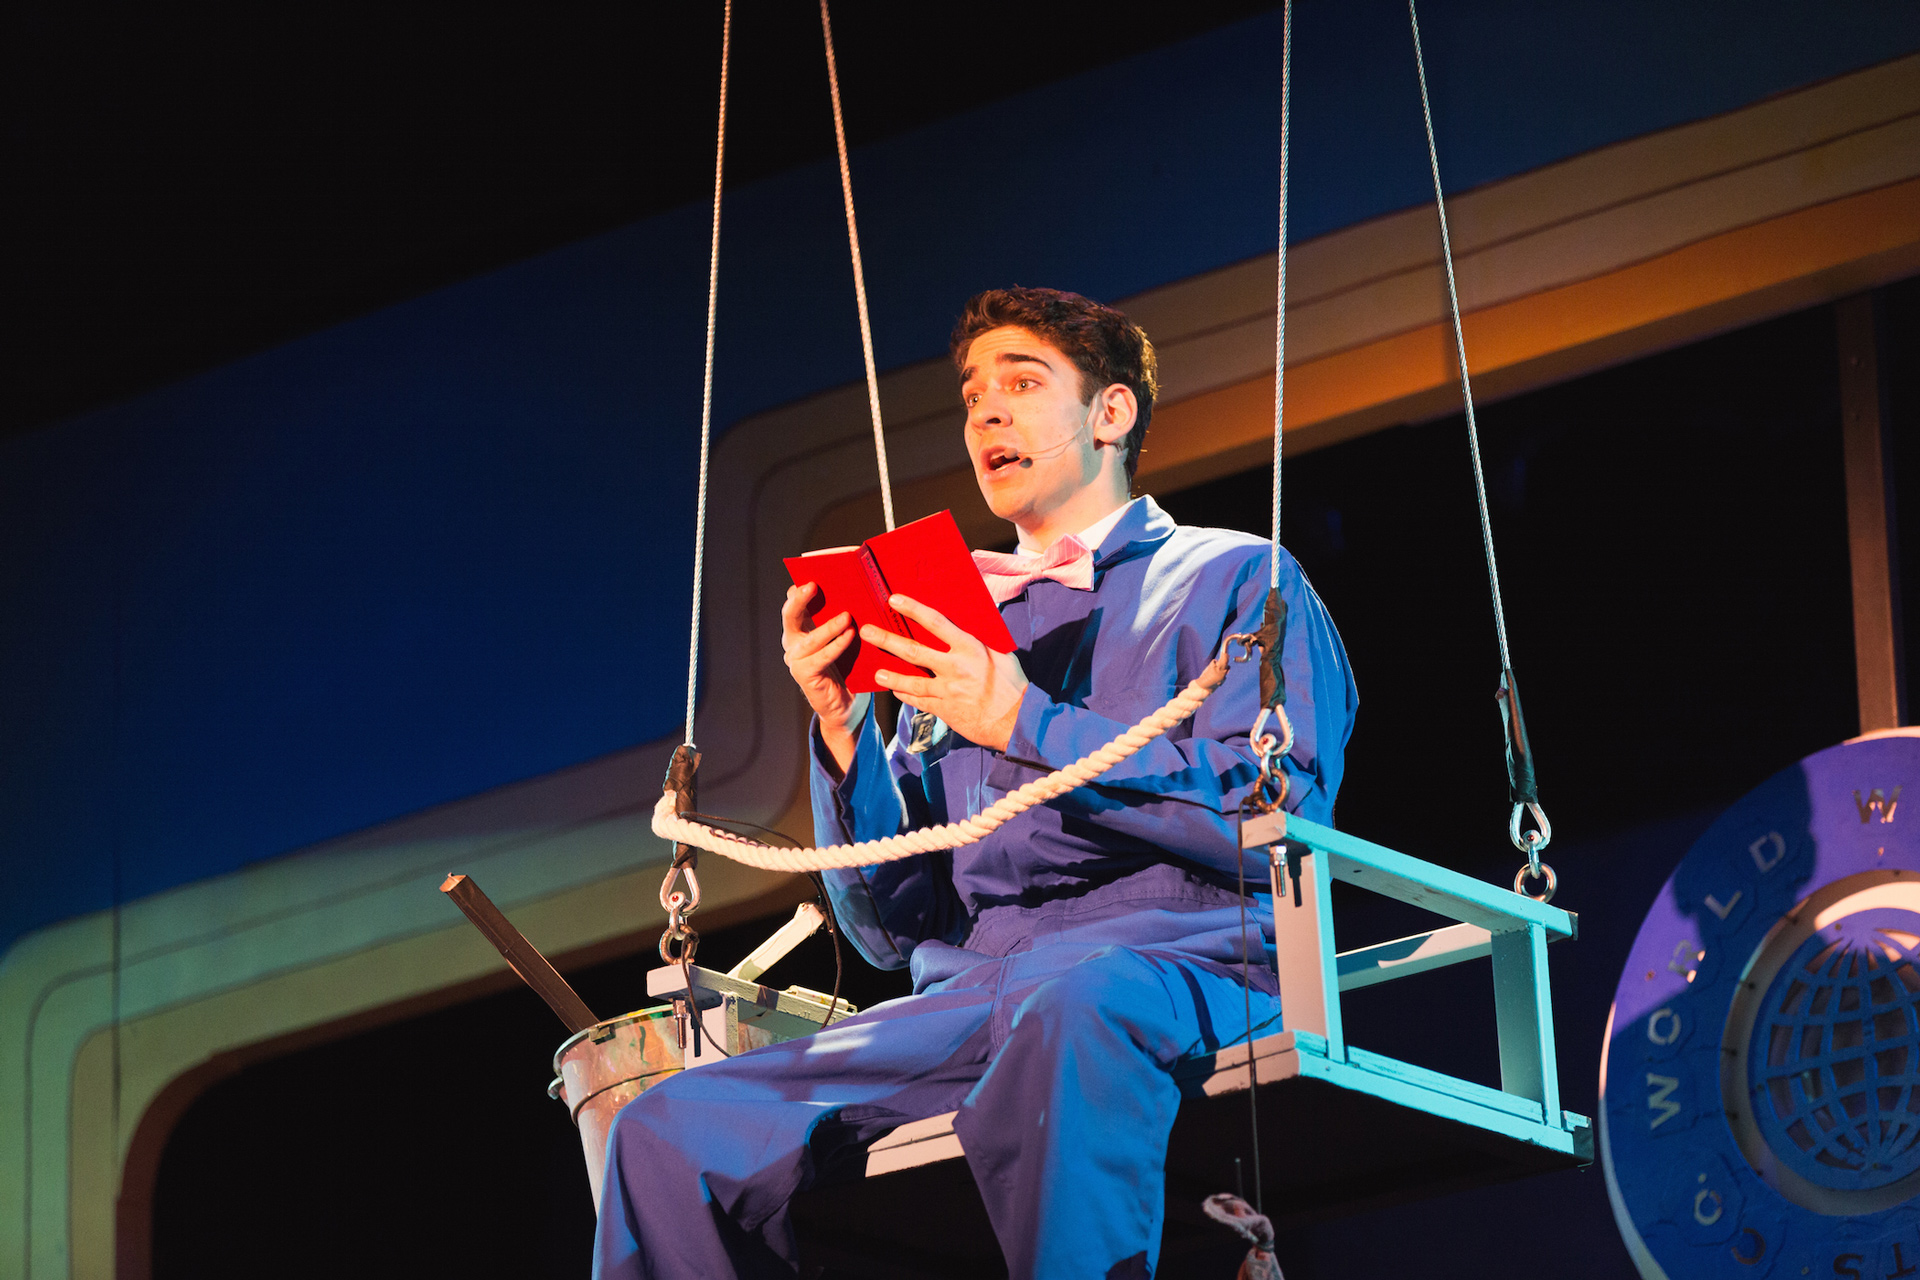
{"x":1115,"y":410}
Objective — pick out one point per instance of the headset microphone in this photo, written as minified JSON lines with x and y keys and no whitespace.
{"x":1054,"y":451}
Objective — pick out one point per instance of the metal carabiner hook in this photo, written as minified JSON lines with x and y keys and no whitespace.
{"x":1274,"y":782}
{"x":1249,"y":645}
{"x":679,"y":943}
{"x":1260,"y":739}
{"x":1536,"y":871}
{"x":690,"y":900}
{"x":1530,"y":842}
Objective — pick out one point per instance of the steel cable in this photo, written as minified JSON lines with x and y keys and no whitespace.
{"x":1460,"y":344}
{"x":1280,"y":307}
{"x":706,"y":387}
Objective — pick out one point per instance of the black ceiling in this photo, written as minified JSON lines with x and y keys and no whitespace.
{"x":189,"y":183}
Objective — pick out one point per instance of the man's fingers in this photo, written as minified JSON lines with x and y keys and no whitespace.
{"x":830,"y":652}
{"x":820,"y":661}
{"x":794,"y":611}
{"x":817,"y":668}
{"x":804,"y":644}
{"x":930,"y":618}
{"x":901,"y":646}
{"x":905,"y":685}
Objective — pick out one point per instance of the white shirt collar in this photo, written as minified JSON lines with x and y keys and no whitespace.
{"x":1091,"y":536}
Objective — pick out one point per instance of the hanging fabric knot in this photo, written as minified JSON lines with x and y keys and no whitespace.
{"x":1256,"y":1228}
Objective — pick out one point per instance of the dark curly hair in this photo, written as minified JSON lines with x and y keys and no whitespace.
{"x":1103,"y":344}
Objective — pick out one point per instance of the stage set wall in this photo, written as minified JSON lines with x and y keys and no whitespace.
{"x":289,"y":641}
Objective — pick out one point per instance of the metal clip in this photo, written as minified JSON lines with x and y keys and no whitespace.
{"x":678,"y":943}
{"x":1536,"y":870}
{"x":1271,"y":791}
{"x":1248,"y":641}
{"x":673,"y":900}
{"x":1531,"y":842}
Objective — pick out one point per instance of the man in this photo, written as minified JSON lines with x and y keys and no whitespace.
{"x":1066,"y":967}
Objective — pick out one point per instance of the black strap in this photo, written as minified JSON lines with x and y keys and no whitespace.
{"x":1521,"y":788}
{"x":683,"y":784}
{"x":1273,"y":641}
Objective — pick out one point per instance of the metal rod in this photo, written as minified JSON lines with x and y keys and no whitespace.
{"x":524,"y":958}
{"x":1870,"y":546}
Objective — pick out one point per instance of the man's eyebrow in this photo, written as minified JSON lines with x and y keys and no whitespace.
{"x":1005,"y":357}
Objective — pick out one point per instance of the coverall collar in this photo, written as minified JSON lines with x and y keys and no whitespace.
{"x":1143,"y":527}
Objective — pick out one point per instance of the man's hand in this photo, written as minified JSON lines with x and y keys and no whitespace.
{"x":811,"y":653}
{"x":975,"y":690}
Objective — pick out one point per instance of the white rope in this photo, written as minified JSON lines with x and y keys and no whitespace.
{"x":1280,"y":310}
{"x":706,"y":388}
{"x":670,"y":826}
{"x":1460,"y":346}
{"x":859,"y":274}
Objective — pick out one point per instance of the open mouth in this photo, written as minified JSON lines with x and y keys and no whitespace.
{"x":998,"y":457}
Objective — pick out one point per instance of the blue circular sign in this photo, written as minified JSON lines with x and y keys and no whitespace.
{"x":1832,"y":1063}
{"x":1760,"y":1082}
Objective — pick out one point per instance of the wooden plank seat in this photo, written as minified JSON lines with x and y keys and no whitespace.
{"x":1341,"y":1129}
{"x":1334,"y":1139}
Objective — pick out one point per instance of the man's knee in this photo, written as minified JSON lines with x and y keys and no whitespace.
{"x":1109,"y":993}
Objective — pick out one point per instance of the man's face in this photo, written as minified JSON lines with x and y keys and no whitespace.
{"x":1029,"y":433}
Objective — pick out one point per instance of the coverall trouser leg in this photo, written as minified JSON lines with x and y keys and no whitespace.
{"x":1061,"y":1067}
{"x":1067,"y":1131}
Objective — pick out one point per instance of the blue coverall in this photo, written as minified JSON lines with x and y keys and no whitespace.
{"x":1062,"y":968}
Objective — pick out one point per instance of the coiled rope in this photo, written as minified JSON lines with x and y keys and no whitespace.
{"x":669,"y":825}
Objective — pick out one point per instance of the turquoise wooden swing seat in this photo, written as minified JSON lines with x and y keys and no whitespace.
{"x":1341,"y":1129}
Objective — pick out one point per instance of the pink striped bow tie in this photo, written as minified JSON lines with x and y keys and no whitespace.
{"x":1068,"y":562}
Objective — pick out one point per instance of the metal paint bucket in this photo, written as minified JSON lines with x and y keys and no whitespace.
{"x":602,"y":1069}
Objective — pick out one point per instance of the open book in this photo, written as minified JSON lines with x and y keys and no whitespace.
{"x":927,"y":560}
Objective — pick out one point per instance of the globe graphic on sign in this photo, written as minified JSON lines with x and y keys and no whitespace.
{"x":1834,"y":1063}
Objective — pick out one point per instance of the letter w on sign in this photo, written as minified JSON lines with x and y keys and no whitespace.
{"x":1877,"y":804}
{"x":1660,"y":1099}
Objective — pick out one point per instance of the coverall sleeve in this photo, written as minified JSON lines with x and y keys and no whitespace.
{"x":887,"y":908}
{"x":1182,"y":791}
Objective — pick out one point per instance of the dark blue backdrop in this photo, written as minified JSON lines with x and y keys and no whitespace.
{"x":442,"y":548}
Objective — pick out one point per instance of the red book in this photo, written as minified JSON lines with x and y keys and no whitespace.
{"x":927,"y":560}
